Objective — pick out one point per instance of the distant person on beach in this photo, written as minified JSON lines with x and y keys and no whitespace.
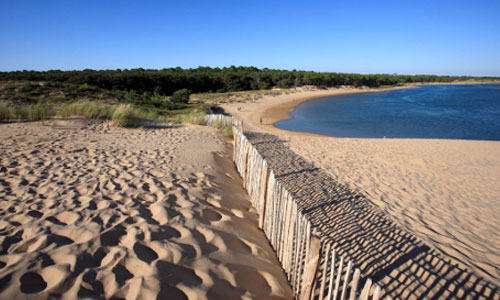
{"x":261,"y":121}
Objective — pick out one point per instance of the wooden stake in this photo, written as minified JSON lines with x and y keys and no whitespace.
{"x":339,"y":275}
{"x":346,"y":280}
{"x":332,"y":272}
{"x":325,"y":272}
{"x":354,"y":286}
{"x":311,"y":266}
{"x":366,"y":290}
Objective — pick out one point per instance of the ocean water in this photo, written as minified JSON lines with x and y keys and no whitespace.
{"x":435,"y":111}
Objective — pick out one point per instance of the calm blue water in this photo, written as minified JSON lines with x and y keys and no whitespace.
{"x":441,"y":111}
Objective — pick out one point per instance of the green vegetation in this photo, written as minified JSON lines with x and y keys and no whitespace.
{"x":6,"y":112}
{"x":34,"y":112}
{"x":207,"y":80}
{"x":28,"y":92}
{"x":197,"y":118}
{"x":227,"y":131}
{"x":174,"y":95}
{"x":181,"y":96}
{"x":89,"y":110}
{"x":26,"y":100}
{"x":124,"y":116}
{"x":40,"y":112}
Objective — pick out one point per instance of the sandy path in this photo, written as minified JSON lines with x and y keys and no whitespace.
{"x":91,"y":211}
{"x":445,"y":192}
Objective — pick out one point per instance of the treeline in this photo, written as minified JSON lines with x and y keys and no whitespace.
{"x":206,"y":79}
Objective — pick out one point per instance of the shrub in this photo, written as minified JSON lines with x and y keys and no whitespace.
{"x":83,"y":87}
{"x":181,"y":96}
{"x":124,"y":116}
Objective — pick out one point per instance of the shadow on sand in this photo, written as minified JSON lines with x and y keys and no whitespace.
{"x":402,"y":265}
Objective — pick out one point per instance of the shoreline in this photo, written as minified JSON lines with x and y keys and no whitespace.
{"x":272,"y":109}
{"x":281,"y":112}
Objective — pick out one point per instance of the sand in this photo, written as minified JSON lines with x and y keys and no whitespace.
{"x":445,"y":192}
{"x":88,"y":210}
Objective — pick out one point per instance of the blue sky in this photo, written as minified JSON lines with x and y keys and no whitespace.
{"x":407,"y":37}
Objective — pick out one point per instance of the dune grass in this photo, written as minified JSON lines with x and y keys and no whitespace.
{"x":227,"y":131}
{"x":197,"y":118}
{"x":124,"y":115}
{"x":6,"y":112}
{"x":40,"y":111}
{"x":89,"y":110}
{"x":34,"y":112}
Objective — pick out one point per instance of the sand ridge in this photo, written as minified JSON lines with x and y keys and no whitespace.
{"x":92,"y":211}
{"x":444,"y":192}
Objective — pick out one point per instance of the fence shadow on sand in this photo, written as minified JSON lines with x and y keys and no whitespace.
{"x":402,"y":265}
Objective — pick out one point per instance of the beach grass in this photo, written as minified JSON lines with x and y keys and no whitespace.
{"x":197,"y":118}
{"x":124,"y":115}
{"x":6,"y":112}
{"x":40,"y":112}
{"x":34,"y":112}
{"x":227,"y":131}
{"x":89,"y":110}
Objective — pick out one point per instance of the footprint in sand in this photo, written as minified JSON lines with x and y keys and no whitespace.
{"x":35,"y":214}
{"x":174,"y":274}
{"x":32,"y":283}
{"x":112,"y":237}
{"x":165,"y":233}
{"x":122,"y":274}
{"x":145,"y":253}
{"x":251,"y":280}
{"x":211,"y":215}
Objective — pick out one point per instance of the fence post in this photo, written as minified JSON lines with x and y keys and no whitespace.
{"x":263,"y":193}
{"x":311,"y":266}
{"x":246,"y":149}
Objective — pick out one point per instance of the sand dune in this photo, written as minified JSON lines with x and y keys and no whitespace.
{"x":92,"y":211}
{"x":445,"y":192}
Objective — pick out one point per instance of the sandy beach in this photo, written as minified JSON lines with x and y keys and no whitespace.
{"x":444,"y":192}
{"x":93,"y":211}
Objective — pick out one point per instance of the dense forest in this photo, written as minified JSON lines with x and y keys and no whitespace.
{"x":206,"y":79}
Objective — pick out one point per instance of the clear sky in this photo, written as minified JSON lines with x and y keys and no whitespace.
{"x":366,"y":36}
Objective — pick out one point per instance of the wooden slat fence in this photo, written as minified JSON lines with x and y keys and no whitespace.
{"x":309,"y":260}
